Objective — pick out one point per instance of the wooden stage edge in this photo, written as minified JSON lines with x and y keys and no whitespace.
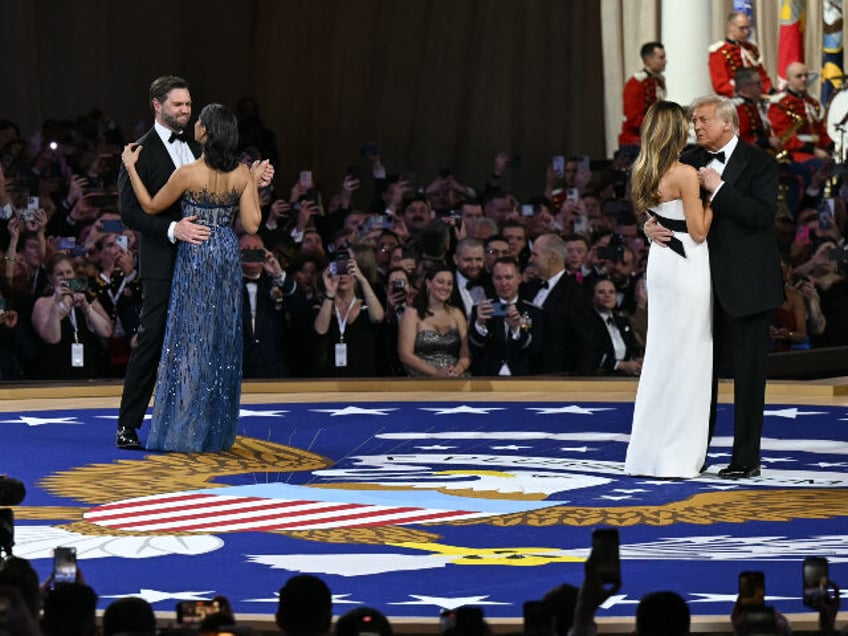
{"x":54,"y":396}
{"x":825,"y":391}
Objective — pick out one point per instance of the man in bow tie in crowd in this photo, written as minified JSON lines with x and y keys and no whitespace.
{"x":618,"y":351}
{"x":167,"y":146}
{"x":470,"y":284}
{"x":739,"y":182}
{"x":270,"y":297}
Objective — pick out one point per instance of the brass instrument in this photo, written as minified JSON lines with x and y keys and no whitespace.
{"x":782,"y":154}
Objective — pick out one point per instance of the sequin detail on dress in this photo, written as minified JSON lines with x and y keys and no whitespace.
{"x":198,"y":388}
{"x":439,"y":350}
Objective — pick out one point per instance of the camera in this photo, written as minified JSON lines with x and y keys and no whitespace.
{"x":815,"y":571}
{"x":77,"y":285}
{"x":339,"y":265}
{"x":605,"y":555}
{"x":26,"y":216}
{"x":558,"y":165}
{"x":305,"y":179}
{"x":253,"y":256}
{"x":7,"y":531}
{"x":614,"y":251}
{"x":190,"y":612}
{"x":123,"y":242}
{"x":398,"y":285}
{"x":528,"y":209}
{"x":64,"y":565}
{"x":66,"y":243}
{"x":500,"y":309}
{"x":752,"y":589}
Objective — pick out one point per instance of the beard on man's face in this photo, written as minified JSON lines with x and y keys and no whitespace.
{"x":174,"y":122}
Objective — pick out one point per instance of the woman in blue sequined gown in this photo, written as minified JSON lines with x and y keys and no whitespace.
{"x":198,"y":386}
{"x":433,"y":334}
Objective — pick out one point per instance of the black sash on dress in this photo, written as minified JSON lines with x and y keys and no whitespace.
{"x":675,"y":226}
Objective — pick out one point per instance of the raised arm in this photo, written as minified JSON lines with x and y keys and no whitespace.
{"x":250,"y":214}
{"x":698,"y":219}
{"x":167,"y":195}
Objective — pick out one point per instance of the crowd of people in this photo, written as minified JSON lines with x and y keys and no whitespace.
{"x":329,"y":276}
{"x":304,"y":608}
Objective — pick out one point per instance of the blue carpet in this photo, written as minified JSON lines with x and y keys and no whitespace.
{"x":412,"y":507}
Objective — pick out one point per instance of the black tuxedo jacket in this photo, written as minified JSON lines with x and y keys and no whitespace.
{"x":155,"y":166}
{"x":744,"y":258}
{"x":490,"y":352}
{"x":605,"y":355}
{"x":456,"y":298}
{"x":265,"y":336}
{"x":567,"y":324}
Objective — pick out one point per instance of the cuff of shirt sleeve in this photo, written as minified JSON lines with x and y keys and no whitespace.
{"x":171,"y":228}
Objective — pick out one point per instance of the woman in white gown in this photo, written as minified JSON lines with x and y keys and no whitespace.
{"x":671,"y":415}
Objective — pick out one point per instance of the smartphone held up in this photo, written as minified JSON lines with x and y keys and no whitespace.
{"x":605,"y":556}
{"x":64,"y":565}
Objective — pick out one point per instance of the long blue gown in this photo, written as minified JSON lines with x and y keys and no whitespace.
{"x":198,"y":388}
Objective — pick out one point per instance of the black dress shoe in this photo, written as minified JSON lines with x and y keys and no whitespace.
{"x":127,"y":439}
{"x":738,"y":471}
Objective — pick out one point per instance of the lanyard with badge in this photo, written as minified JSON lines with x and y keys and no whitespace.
{"x":77,"y":349}
{"x":118,"y":331}
{"x":341,"y":345}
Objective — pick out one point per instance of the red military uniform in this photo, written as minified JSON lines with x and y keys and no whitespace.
{"x":797,"y":120}
{"x":726,"y":56}
{"x":753,"y":129}
{"x":640,"y":92}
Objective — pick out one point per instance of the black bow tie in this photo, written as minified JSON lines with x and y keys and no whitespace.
{"x":544,"y":284}
{"x":471,"y":284}
{"x":610,"y":321}
{"x":183,"y":137}
{"x":718,"y":156}
{"x":251,"y":280}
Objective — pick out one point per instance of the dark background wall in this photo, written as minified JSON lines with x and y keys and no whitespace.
{"x":438,"y":83}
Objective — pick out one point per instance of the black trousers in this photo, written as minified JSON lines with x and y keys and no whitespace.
{"x":140,"y":378}
{"x":740,"y":351}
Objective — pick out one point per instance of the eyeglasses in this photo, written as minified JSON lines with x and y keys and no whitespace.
{"x":496,"y":252}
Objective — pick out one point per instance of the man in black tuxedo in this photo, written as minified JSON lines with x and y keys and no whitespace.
{"x":505,"y":332}
{"x":618,"y":351}
{"x":167,"y":146}
{"x":566,"y":315}
{"x":740,"y":184}
{"x":470,"y":285}
{"x":270,"y":295}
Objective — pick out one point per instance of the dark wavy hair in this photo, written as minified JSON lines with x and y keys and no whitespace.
{"x":420,"y":302}
{"x":220,"y":151}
